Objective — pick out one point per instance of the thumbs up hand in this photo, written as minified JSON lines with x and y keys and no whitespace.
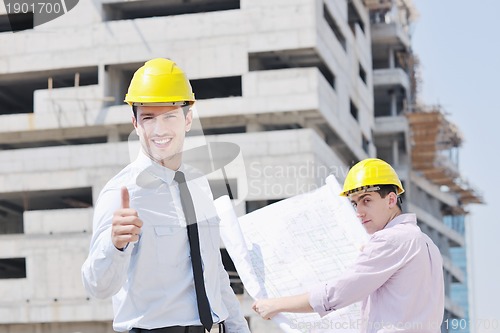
{"x":126,"y":225}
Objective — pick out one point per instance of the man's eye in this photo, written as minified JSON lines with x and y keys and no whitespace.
{"x":147,"y":118}
{"x":354,"y":204}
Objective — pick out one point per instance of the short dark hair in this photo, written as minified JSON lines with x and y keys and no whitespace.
{"x":134,"y":110}
{"x":185,"y":108}
{"x":386,"y":189}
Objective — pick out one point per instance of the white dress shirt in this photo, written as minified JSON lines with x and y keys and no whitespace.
{"x":399,"y":277}
{"x":151,"y":281}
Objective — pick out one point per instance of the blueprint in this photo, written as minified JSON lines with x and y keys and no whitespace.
{"x":287,"y":247}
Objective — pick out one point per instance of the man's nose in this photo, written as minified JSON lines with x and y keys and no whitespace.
{"x":359,"y":212}
{"x":161,"y":126}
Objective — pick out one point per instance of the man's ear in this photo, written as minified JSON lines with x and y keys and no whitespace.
{"x":134,"y":122}
{"x":393,"y":199}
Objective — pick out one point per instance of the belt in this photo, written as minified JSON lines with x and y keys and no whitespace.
{"x":217,"y":328}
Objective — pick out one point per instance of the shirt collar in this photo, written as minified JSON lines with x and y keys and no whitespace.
{"x":149,"y":171}
{"x":402,"y":218}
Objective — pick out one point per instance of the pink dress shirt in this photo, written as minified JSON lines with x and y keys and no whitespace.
{"x":399,"y":278}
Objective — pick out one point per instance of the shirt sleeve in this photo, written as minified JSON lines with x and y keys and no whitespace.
{"x":105,"y":269}
{"x":378,"y":261}
{"x":235,"y":322}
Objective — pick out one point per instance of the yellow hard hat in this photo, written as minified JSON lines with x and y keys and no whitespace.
{"x":367,"y":174}
{"x":159,"y":81}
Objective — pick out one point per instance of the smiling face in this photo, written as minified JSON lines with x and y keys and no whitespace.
{"x":374,"y":211}
{"x":161,"y":131}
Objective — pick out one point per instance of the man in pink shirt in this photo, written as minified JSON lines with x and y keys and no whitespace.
{"x":398,"y":275}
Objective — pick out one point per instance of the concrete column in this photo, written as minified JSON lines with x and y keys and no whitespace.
{"x":110,"y":80}
{"x":394,"y":104}
{"x":395,"y":152}
{"x":102,"y":79}
{"x":392,"y":60}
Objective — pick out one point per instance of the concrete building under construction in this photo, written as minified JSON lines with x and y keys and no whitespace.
{"x":310,"y":84}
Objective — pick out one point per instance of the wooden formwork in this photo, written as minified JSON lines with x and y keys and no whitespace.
{"x":432,"y":134}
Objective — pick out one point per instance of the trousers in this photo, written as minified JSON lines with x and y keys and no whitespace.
{"x":217,"y":328}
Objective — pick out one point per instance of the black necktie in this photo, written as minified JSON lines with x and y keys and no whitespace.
{"x":194,"y":245}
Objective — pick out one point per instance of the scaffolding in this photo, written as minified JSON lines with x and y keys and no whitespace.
{"x":435,"y":142}
{"x":385,"y":11}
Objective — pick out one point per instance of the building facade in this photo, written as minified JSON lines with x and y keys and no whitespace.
{"x":301,"y":86}
{"x":423,"y":146}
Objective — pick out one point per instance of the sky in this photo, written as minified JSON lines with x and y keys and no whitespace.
{"x":458,"y":43}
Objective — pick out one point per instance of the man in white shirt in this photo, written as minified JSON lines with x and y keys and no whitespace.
{"x":155,"y":243}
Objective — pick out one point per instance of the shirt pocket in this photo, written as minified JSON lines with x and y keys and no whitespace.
{"x":208,"y":230}
{"x":171,"y":243}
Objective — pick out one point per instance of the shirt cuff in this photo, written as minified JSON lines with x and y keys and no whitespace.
{"x":110,"y":251}
{"x":319,"y":301}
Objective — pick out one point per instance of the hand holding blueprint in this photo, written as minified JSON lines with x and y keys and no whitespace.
{"x":286,"y":248}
